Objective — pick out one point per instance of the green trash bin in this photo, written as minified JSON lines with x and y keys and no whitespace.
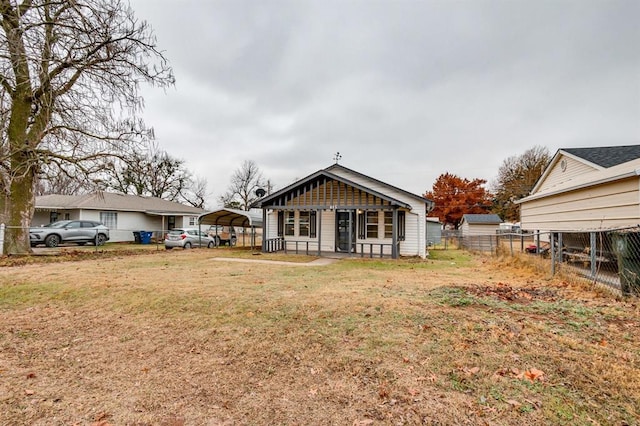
{"x":626,"y":246}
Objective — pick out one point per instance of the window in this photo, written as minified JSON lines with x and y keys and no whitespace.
{"x":303,"y":224}
{"x":193,"y":220}
{"x":372,"y":224}
{"x":289,"y":223}
{"x":53,"y":216}
{"x":362,"y":226}
{"x":388,"y":224}
{"x":109,"y":219}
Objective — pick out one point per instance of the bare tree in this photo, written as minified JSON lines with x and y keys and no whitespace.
{"x":60,"y":183}
{"x":242,"y":189}
{"x":152,"y":173}
{"x":70,"y":73}
{"x":516,"y":177}
{"x":197,"y":194}
{"x":155,"y":173}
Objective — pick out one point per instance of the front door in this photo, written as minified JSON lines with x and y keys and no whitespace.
{"x":345,"y":231}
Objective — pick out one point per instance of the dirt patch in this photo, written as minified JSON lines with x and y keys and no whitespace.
{"x":510,"y":293}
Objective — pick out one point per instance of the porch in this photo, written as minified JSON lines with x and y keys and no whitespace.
{"x":313,"y":248}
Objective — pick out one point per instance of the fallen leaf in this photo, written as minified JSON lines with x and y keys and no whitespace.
{"x":534,"y":374}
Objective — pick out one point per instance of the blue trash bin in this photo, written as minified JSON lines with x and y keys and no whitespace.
{"x":145,"y":237}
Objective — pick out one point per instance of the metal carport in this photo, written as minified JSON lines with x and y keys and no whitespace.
{"x":233,"y":217}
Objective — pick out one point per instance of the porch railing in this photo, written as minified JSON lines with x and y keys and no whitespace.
{"x":273,"y":245}
{"x":379,"y":248}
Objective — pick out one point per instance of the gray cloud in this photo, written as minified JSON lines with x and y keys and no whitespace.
{"x":405,"y":90}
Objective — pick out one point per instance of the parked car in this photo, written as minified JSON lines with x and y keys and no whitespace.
{"x":223,"y":235}
{"x":186,"y":238}
{"x":69,"y":231}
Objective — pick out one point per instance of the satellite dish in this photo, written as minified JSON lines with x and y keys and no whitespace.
{"x":260,"y":192}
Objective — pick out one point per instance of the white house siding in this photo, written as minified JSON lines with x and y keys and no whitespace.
{"x":271,"y":226}
{"x":557,"y":176}
{"x":127,"y":223}
{"x":610,"y":205}
{"x":468,"y":229}
{"x":328,"y":231}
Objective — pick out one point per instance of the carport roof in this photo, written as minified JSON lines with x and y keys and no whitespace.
{"x":232,"y":217}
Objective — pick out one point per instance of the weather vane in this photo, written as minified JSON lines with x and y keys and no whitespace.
{"x":337,"y":157}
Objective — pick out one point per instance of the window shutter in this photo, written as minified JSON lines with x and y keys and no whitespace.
{"x":280,"y":223}
{"x":401,"y":223}
{"x":362,"y":226}
{"x":312,"y":224}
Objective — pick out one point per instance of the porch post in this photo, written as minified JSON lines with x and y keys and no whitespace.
{"x":394,"y":234}
{"x":349,"y":240}
{"x":264,"y":230}
{"x":319,"y":231}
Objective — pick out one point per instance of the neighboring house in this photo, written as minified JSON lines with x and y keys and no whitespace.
{"x":479,"y":224}
{"x":340,"y":210}
{"x":585,"y":189}
{"x":123,"y":214}
{"x":434,"y":231}
{"x":478,"y":232}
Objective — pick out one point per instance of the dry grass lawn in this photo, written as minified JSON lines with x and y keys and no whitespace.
{"x":177,"y":338}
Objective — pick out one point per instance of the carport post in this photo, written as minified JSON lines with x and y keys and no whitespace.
{"x":1,"y":238}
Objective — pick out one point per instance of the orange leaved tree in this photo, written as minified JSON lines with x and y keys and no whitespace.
{"x":455,"y":197}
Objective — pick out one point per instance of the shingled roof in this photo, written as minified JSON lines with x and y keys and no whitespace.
{"x":482,"y":219}
{"x":111,"y":201}
{"x":606,"y":156}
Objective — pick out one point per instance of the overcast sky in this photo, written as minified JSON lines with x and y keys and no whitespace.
{"x":404,"y":90}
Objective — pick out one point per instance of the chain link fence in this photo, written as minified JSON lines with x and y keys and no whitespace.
{"x":608,"y":257}
{"x":243,"y":237}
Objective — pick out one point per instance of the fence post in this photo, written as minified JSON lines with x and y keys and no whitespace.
{"x":1,"y":239}
{"x":593,"y":252}
{"x":553,"y":253}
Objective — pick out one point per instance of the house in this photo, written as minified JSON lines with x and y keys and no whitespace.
{"x":585,"y":189}
{"x":479,"y":224}
{"x":123,"y":214}
{"x":339,"y":210}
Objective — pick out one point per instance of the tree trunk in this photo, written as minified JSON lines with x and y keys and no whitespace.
{"x":19,"y":211}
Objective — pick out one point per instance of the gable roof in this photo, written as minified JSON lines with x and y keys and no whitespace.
{"x":395,"y":188}
{"x":598,"y":177}
{"x":481,"y":219}
{"x":111,"y":201}
{"x":328,"y":174}
{"x":598,"y":158}
{"x":606,"y":156}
